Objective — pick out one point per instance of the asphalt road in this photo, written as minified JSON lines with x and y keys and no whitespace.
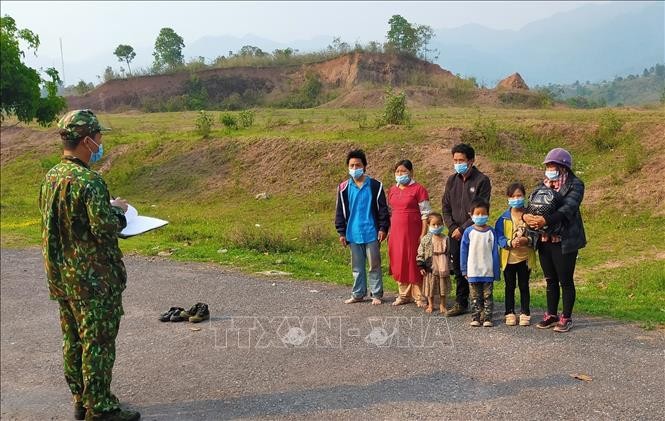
{"x":283,"y":349}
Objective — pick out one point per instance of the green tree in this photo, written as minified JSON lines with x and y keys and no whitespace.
{"x":109,"y":74}
{"x":168,"y":50}
{"x":125,"y":53}
{"x":20,"y":85}
{"x":82,"y":88}
{"x":251,"y":51}
{"x":404,"y":37}
{"x":285,"y":53}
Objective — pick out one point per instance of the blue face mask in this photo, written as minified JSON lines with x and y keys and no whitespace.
{"x":436,"y":231}
{"x":96,"y":156}
{"x":516,"y":203}
{"x":357,"y":173}
{"x":552,"y":175}
{"x":402,"y":179}
{"x":480,"y":219}
{"x":461,"y":168}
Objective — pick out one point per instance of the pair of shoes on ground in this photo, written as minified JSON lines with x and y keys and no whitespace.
{"x":485,"y":323}
{"x":196,"y":314}
{"x":524,"y":320}
{"x":560,"y":324}
{"x":80,"y":413}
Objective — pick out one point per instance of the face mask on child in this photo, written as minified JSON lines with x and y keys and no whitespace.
{"x":436,"y":231}
{"x":552,"y":175}
{"x":480,"y":219}
{"x":516,"y":203}
{"x":357,"y":173}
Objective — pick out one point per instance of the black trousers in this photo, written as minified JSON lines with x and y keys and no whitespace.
{"x":462,"y":289}
{"x":517,"y":273}
{"x":558,"y":269}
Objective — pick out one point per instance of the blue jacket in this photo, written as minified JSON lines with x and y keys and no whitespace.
{"x":379,"y":207}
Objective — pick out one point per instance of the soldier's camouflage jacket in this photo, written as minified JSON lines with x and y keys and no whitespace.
{"x":80,"y":234}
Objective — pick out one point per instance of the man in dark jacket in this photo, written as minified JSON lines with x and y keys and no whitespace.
{"x":462,"y":187}
{"x":362,"y":221}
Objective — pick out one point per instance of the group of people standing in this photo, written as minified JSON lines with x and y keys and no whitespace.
{"x":423,"y":260}
{"x":86,"y":275}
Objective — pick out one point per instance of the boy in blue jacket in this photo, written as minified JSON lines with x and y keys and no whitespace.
{"x":362,"y":221}
{"x":479,"y":259}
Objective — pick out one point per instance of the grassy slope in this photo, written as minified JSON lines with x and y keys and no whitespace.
{"x":206,"y":189}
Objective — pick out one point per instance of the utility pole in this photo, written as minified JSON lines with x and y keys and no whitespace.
{"x":62,"y":62}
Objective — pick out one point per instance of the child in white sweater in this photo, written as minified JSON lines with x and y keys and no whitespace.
{"x":479,"y":259}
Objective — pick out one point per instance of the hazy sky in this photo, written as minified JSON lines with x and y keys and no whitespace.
{"x":86,"y":28}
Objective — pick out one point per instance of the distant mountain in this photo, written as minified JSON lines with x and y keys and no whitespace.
{"x":593,"y":42}
{"x":633,"y":89}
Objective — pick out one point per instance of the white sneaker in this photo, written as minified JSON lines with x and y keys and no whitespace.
{"x":525,"y":320}
{"x":511,"y":319}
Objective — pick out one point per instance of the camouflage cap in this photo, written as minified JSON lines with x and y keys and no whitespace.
{"x":78,"y":119}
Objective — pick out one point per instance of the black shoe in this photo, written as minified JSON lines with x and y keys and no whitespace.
{"x":548,"y":321}
{"x":202,"y":313}
{"x":79,"y":411}
{"x":181,"y":316}
{"x":165,"y":317}
{"x":456,"y":310}
{"x":115,"y":415}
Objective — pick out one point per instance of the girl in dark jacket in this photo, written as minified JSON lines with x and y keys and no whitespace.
{"x":558,"y":252}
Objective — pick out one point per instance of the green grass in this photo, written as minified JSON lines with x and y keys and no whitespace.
{"x":206,"y":188}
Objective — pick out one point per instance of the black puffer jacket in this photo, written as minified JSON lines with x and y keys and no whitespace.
{"x":572,"y":236}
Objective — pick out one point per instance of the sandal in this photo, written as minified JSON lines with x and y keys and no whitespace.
{"x":353,"y":300}
{"x":400,"y":301}
{"x":166,"y":316}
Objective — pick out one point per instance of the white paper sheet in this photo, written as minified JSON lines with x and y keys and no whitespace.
{"x":138,"y":224}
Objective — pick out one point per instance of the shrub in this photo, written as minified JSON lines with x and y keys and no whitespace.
{"x":394,"y":109}
{"x":246,"y":118}
{"x":260,"y":240}
{"x":314,"y":235}
{"x":229,"y":121}
{"x":204,"y":123}
{"x":609,"y":126}
{"x":536,"y":99}
{"x":485,"y":135}
{"x":359,"y":117}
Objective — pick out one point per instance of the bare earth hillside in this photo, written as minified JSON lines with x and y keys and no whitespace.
{"x":351,"y":80}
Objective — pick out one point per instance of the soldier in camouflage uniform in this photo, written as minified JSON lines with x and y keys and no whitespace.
{"x":86,"y":275}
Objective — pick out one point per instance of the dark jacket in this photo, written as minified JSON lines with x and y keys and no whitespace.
{"x":459,"y":194}
{"x":379,"y":207}
{"x":572,"y":237}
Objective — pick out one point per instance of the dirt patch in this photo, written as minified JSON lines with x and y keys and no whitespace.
{"x":17,"y":140}
{"x":513,"y":81}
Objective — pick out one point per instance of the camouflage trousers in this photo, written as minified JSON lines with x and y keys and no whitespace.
{"x":89,"y":328}
{"x":482,"y":300}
